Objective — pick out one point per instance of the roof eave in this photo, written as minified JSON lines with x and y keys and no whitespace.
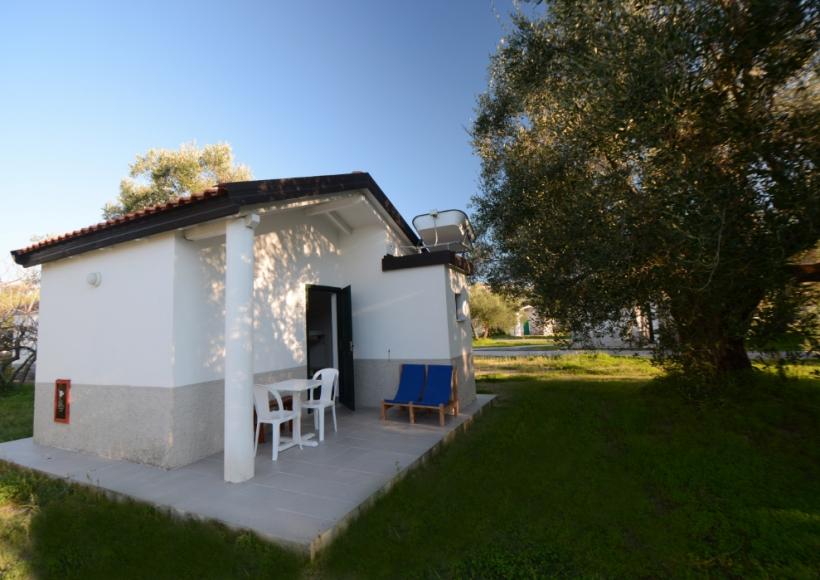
{"x":179,"y":217}
{"x":232,"y":198}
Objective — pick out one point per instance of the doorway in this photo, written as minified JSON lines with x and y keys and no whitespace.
{"x":329,"y":335}
{"x":322,"y":336}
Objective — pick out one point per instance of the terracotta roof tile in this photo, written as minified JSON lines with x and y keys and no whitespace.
{"x":127,"y":218}
{"x":217,"y":202}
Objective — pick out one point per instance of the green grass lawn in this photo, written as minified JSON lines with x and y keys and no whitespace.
{"x":16,"y":412}
{"x":537,"y":342}
{"x":585,"y":466}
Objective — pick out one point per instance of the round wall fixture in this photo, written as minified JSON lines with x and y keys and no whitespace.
{"x":94,"y":279}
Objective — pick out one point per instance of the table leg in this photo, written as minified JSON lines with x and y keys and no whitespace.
{"x":297,"y":423}
{"x":297,"y":427}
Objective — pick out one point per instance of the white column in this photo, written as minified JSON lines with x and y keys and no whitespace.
{"x":239,"y":259}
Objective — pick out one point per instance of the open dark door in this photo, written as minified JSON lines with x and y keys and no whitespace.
{"x":347,"y":393}
{"x":329,"y":334}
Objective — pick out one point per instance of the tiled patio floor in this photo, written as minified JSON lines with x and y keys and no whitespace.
{"x":298,"y":500}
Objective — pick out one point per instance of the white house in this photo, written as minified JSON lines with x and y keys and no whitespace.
{"x":529,"y":322}
{"x":163,"y":319}
{"x":636,"y":329}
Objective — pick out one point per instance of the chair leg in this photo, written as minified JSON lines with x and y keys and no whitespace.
{"x":441,"y":415}
{"x":335,"y":428}
{"x":384,"y":410}
{"x":256,"y":439}
{"x":321,"y":420}
{"x":412,"y":413}
{"x":275,"y":451}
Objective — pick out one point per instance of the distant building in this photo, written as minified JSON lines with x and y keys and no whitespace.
{"x":530,"y":323}
{"x":640,"y":331}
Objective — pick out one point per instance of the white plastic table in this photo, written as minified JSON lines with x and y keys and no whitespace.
{"x":296,"y":387}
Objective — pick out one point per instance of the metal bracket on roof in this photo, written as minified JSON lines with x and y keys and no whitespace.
{"x":335,"y":205}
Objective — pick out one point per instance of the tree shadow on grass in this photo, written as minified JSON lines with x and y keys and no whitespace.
{"x":605,"y":478}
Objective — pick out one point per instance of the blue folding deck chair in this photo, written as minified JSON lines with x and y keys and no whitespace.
{"x":439,"y":395}
{"x":410,"y":387}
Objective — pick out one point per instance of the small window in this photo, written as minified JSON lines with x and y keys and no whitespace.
{"x":461,"y":306}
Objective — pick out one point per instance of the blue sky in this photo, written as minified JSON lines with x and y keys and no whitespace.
{"x":297,"y":88}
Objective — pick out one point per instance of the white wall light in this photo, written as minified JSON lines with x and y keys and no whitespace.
{"x":94,"y":279}
{"x":462,"y":309}
{"x":252,"y":220}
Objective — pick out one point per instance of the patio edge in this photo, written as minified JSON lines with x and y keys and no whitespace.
{"x":325,"y":538}
{"x":312,"y":548}
{"x":173,"y":512}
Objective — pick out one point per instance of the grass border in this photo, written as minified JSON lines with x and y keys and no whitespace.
{"x":324,"y":539}
{"x":170,"y":511}
{"x":320,"y":542}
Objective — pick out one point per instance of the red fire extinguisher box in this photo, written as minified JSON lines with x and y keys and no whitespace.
{"x":62,"y":400}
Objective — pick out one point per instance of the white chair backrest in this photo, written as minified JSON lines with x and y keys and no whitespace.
{"x":261,"y":400}
{"x":330,"y":384}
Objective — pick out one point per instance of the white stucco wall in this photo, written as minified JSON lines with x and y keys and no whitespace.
{"x":119,"y":333}
{"x":399,"y":314}
{"x":157,"y":319}
{"x":292,"y":250}
{"x":199,"y":310}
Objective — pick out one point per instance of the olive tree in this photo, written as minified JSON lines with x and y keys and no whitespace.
{"x":659,"y":154}
{"x":162,"y":175}
{"x":490,"y":312}
{"x":19,"y":305}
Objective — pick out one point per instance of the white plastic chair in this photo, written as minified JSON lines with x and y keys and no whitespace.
{"x":328,"y":394}
{"x":261,"y":401}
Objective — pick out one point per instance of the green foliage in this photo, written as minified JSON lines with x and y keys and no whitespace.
{"x":658,"y":153}
{"x":19,"y":306}
{"x":16,"y":412}
{"x":600,"y":366}
{"x":788,"y":320}
{"x":532,"y":342}
{"x":490,"y":312}
{"x":163,"y":175}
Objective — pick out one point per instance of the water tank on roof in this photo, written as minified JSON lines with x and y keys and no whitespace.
{"x":445,"y":230}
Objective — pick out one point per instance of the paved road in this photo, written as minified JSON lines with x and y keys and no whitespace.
{"x":523,"y":351}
